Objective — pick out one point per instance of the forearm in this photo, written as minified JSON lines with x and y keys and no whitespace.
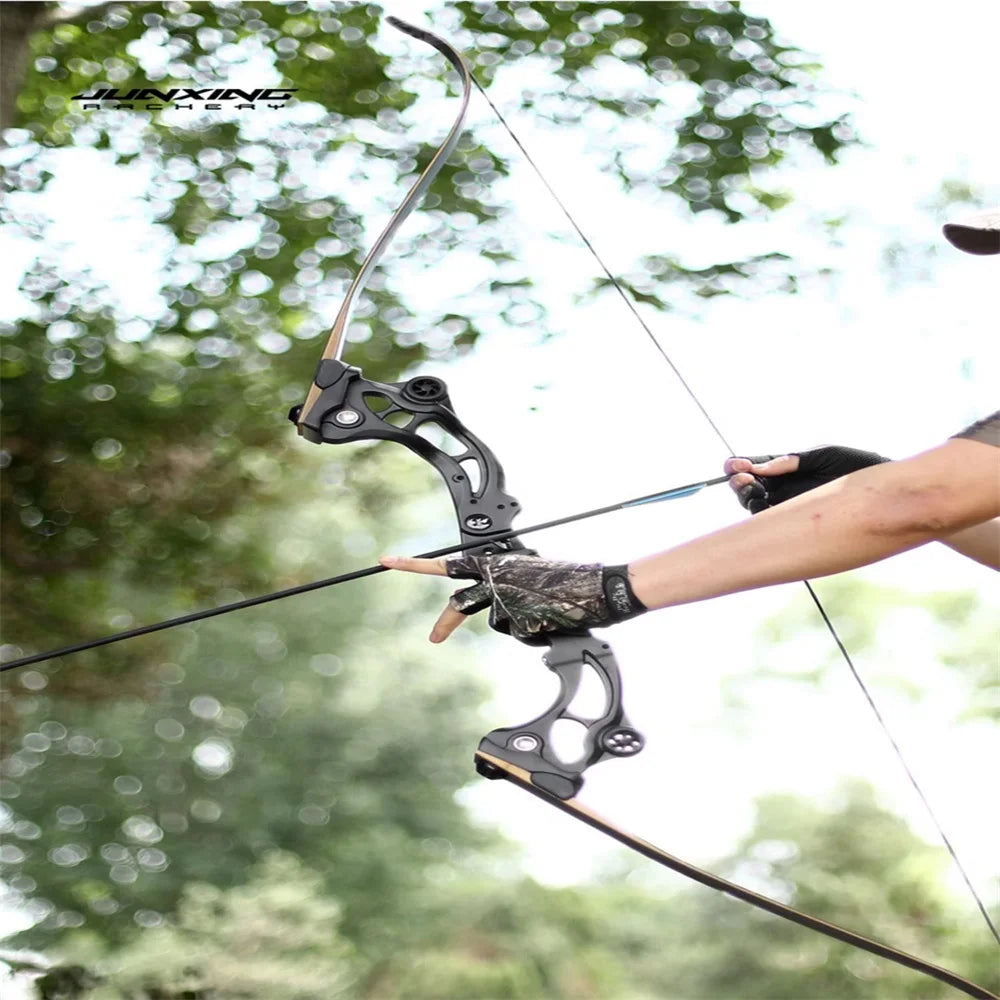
{"x":980,"y":542}
{"x":852,"y":522}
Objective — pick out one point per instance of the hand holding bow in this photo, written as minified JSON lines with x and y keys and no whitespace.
{"x":529,"y":597}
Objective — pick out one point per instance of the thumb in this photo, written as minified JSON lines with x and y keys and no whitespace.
{"x":779,"y":466}
{"x":734,"y":465}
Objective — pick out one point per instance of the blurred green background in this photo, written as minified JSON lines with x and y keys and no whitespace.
{"x":264,"y":805}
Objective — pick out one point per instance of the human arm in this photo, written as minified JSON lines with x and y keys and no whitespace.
{"x":859,"y":519}
{"x":981,"y":542}
{"x":852,"y":521}
{"x":771,"y":480}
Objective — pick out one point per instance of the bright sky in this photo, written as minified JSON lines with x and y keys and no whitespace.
{"x":854,"y":359}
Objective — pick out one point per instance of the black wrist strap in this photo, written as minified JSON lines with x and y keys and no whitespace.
{"x":621,"y":600}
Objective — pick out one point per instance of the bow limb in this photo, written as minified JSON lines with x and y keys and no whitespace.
{"x":492,"y":766}
{"x":335,"y":342}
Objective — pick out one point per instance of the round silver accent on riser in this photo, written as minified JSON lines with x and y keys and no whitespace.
{"x":525,"y":743}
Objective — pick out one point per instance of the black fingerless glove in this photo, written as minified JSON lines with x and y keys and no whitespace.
{"x":816,"y":467}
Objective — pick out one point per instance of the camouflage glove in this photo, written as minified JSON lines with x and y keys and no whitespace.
{"x":530,"y":597}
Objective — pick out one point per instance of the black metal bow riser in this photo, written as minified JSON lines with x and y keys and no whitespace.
{"x":351,"y":408}
{"x":348,"y":408}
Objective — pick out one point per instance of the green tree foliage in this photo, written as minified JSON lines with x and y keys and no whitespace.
{"x":961,"y":623}
{"x":304,"y":727}
{"x":853,"y":864}
{"x":519,"y":940}
{"x":487,"y":939}
{"x":895,"y":883}
{"x":277,"y":937}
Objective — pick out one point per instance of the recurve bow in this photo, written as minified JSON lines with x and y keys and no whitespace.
{"x":343,"y":406}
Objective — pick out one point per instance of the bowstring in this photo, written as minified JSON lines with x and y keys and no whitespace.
{"x":686,"y":385}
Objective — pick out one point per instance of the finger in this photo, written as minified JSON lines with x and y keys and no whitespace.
{"x":741,"y":479}
{"x":734,"y":465}
{"x":429,"y":567}
{"x":753,"y":496}
{"x":447,"y":622}
{"x":779,"y":466}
